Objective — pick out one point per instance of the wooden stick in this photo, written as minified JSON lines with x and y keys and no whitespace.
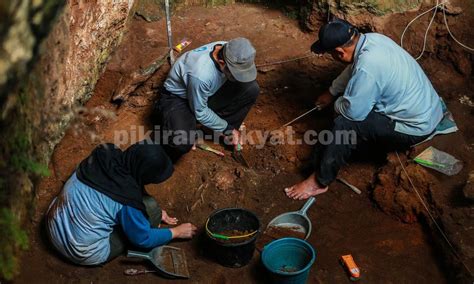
{"x":355,"y":189}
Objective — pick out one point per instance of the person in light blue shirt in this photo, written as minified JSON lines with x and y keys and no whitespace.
{"x":214,"y":85}
{"x":103,"y":207}
{"x":382,"y":98}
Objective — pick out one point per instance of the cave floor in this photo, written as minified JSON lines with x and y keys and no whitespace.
{"x":386,"y":250}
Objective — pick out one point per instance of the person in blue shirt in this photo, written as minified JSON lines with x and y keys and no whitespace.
{"x":382,"y":98}
{"x":214,"y":85}
{"x":103,"y":207}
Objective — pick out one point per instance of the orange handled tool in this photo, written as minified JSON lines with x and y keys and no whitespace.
{"x":351,"y":267}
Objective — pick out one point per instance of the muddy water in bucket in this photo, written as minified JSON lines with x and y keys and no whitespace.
{"x":297,"y":221}
{"x":288,"y":260}
{"x":231,"y":234}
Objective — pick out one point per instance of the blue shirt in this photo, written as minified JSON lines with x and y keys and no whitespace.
{"x":195,"y":77}
{"x":81,"y":219}
{"x":387,"y":79}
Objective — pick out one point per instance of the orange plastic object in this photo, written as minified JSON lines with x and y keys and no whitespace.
{"x":352,"y":269}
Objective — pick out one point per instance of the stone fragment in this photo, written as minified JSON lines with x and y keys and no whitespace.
{"x":468,"y":190}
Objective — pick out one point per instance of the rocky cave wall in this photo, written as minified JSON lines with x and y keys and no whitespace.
{"x":51,"y":56}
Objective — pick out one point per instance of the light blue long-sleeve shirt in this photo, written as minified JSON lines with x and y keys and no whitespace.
{"x":387,"y":79}
{"x":81,"y":219}
{"x":195,"y":77}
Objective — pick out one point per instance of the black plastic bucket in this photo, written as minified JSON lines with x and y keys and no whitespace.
{"x":235,"y":253}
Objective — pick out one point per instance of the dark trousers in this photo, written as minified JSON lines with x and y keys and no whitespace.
{"x":231,"y":102}
{"x":119,"y":242}
{"x":377,"y":131}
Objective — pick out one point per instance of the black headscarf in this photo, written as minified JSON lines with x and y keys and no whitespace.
{"x":122,"y":175}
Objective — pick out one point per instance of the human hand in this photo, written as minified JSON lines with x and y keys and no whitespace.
{"x":236,"y":139}
{"x":324,"y":100}
{"x":167,"y":219}
{"x":184,"y":231}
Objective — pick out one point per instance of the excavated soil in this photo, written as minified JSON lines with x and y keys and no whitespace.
{"x":386,"y":250}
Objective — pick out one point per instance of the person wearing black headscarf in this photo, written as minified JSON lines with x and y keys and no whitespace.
{"x":103,"y":206}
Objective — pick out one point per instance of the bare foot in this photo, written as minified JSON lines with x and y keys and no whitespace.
{"x":305,"y":189}
{"x":167,"y":219}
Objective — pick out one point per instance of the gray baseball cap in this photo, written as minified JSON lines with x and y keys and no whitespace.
{"x":239,"y":55}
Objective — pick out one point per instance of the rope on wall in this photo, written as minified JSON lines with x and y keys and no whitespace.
{"x":441,"y":6}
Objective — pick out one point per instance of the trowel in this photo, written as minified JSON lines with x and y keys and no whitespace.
{"x":237,"y":155}
{"x":169,"y":261}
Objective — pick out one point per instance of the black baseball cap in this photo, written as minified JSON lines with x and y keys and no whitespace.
{"x":333,"y":34}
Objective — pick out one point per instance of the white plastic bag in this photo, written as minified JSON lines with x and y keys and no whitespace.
{"x":440,"y":161}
